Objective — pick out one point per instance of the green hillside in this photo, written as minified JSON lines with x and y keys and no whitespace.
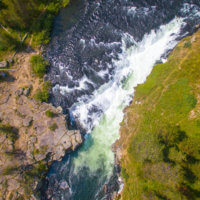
{"x":160,"y":135}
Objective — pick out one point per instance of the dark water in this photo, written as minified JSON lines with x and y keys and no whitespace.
{"x":87,"y":37}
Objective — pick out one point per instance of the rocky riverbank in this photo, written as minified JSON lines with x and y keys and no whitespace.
{"x":30,"y":137}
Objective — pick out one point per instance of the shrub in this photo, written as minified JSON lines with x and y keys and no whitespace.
{"x":176,"y":156}
{"x":49,"y":114}
{"x":65,"y":2}
{"x":171,"y":135}
{"x":38,"y":65}
{"x":146,"y":147}
{"x":53,"y":127}
{"x":10,"y":132}
{"x":187,"y":44}
{"x":41,"y":38}
{"x":124,"y":173}
{"x":190,"y":147}
{"x":9,"y":170}
{"x":43,"y":94}
{"x":7,"y":41}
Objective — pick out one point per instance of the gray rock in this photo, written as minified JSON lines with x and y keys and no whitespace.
{"x":40,"y":156}
{"x":19,"y":91}
{"x":24,"y":110}
{"x":27,"y":121}
{"x":2,"y":138}
{"x":5,"y":99}
{"x":59,"y":109}
{"x":74,"y":142}
{"x":27,"y":91}
{"x":20,"y":101}
{"x":40,"y":129}
{"x":71,"y":132}
{"x":78,"y":138}
{"x":3,"y":74}
{"x":13,"y":184}
{"x":66,"y":142}
{"x":11,"y":61}
{"x":3,"y":64}
{"x":1,"y":116}
{"x":64,"y":185}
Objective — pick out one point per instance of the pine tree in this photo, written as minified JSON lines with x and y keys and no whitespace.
{"x":7,"y":42}
{"x":18,"y":14}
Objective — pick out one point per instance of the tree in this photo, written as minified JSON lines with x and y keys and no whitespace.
{"x":18,"y":14}
{"x":7,"y":41}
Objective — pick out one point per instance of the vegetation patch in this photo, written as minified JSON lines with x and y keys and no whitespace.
{"x":38,"y":65}
{"x":43,"y":94}
{"x":53,"y":127}
{"x":187,"y":44}
{"x":50,"y":114}
{"x":160,"y":138}
{"x":9,"y":170}
{"x":10,"y":132}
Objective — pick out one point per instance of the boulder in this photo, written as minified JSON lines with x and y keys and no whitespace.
{"x":27,"y":121}
{"x":74,"y":142}
{"x":19,"y":91}
{"x":13,"y":184}
{"x":78,"y":137}
{"x":3,"y":64}
{"x":5,"y":98}
{"x":27,"y":91}
{"x":64,"y":185}
{"x":66,"y":142}
{"x":11,"y":61}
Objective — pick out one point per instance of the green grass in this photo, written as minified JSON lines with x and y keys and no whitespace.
{"x":43,"y":94}
{"x":38,"y":65}
{"x":9,"y":170}
{"x":187,"y":44}
{"x":53,"y":127}
{"x":50,"y":114}
{"x":163,"y":145}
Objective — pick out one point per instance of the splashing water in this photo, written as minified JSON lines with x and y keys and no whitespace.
{"x":134,"y":65}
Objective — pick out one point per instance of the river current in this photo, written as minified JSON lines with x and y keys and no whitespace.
{"x":100,"y":51}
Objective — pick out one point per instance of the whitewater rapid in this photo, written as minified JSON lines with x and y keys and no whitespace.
{"x":134,"y":65}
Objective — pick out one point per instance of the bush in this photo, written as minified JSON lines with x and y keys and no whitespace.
{"x":191,"y":147}
{"x":9,"y":170}
{"x":171,"y":135}
{"x":187,"y":44}
{"x":38,"y":65}
{"x":10,"y":132}
{"x":124,"y":173}
{"x":49,"y":114}
{"x":43,"y":95}
{"x":41,"y":38}
{"x":53,"y":127}
{"x":146,"y":147}
{"x":7,"y":41}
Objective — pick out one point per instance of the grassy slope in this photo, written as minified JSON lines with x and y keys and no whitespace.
{"x":160,"y":135}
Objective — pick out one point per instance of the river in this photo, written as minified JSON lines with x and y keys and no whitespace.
{"x":100,"y":51}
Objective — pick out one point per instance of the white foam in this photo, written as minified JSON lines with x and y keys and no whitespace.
{"x":81,"y":86}
{"x":133,"y":67}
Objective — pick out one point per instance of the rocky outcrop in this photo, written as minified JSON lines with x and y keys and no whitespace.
{"x":28,"y":142}
{"x":3,"y":64}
